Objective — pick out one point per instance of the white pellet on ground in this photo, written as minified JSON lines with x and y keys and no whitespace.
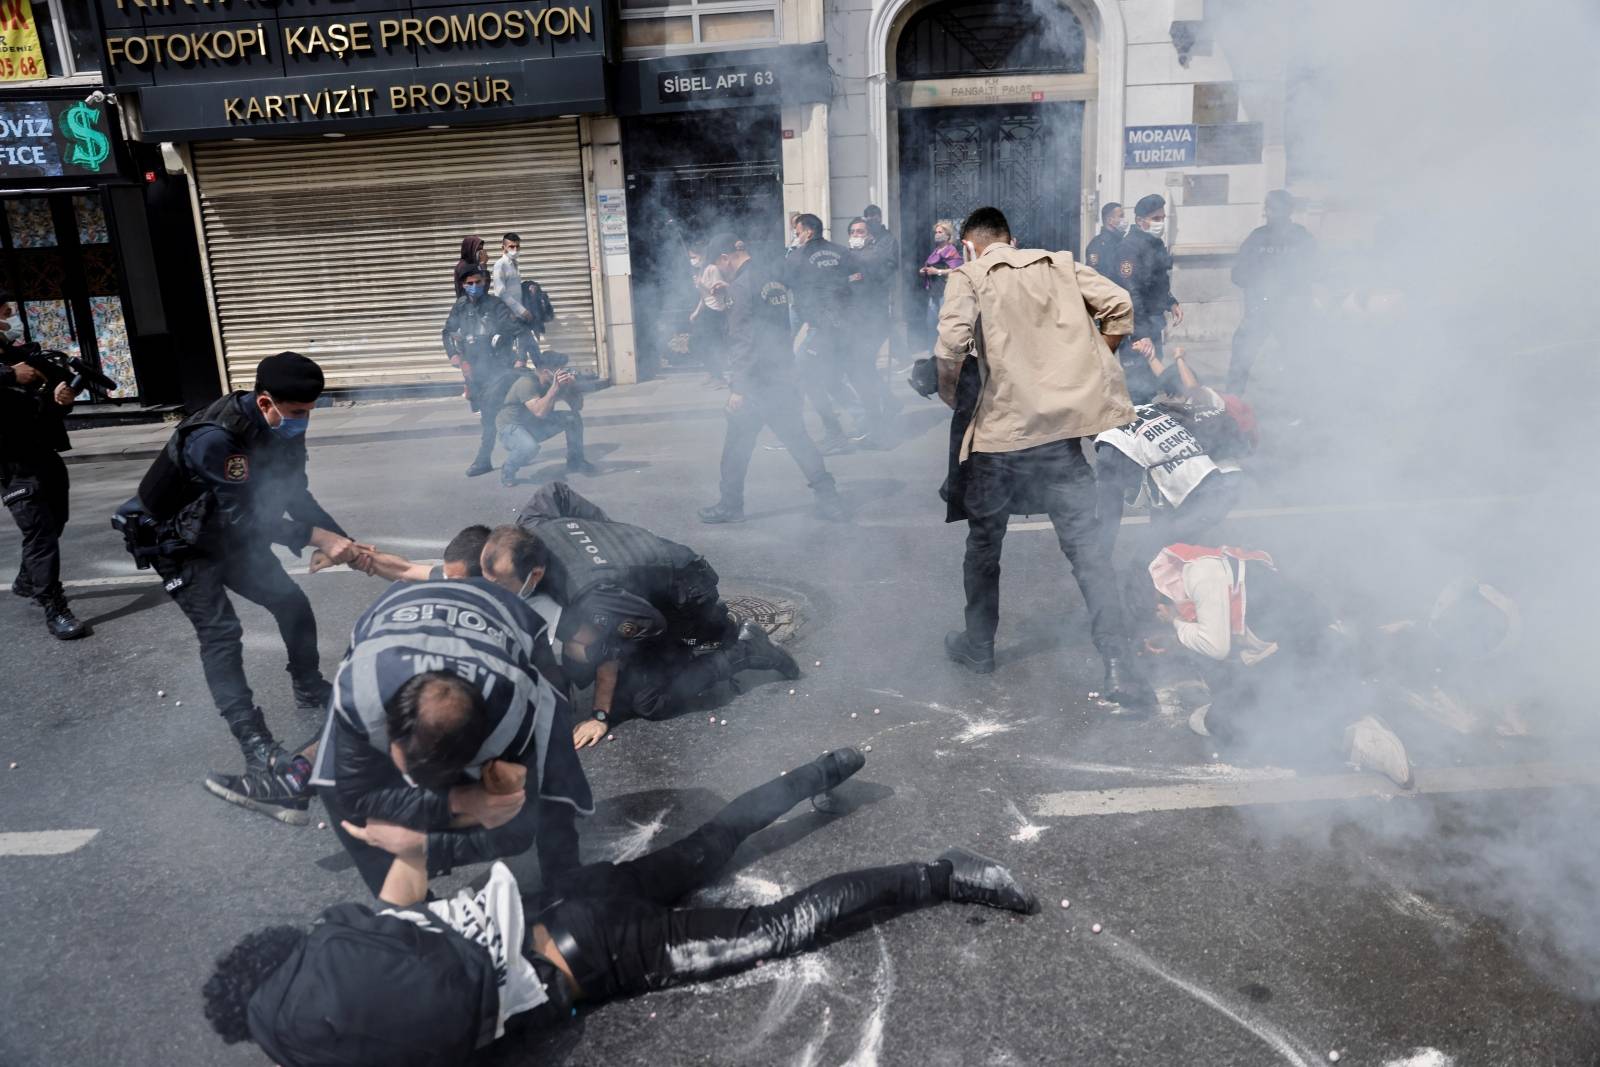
{"x":1095,"y":929}
{"x":1333,"y":1057}
{"x":161,"y":692}
{"x":1066,"y":903}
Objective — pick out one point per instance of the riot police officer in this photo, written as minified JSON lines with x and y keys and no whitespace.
{"x":33,"y":484}
{"x":818,"y":277}
{"x":1144,"y":268}
{"x":231,"y":483}
{"x":1101,"y":253}
{"x":479,"y":337}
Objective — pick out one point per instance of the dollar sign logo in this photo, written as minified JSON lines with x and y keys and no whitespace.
{"x":90,"y":147}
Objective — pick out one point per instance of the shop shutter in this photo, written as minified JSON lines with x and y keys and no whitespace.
{"x":342,"y":249}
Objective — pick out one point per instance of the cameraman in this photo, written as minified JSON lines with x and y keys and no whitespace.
{"x":33,"y":482}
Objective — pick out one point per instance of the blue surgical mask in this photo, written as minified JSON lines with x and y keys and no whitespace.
{"x":293,"y":427}
{"x":474,"y":290}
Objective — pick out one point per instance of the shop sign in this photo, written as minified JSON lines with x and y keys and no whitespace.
{"x":1157,"y":146}
{"x":722,"y":83}
{"x":611,"y":209}
{"x":21,"y":58}
{"x":207,"y":68}
{"x":791,"y":74}
{"x":53,"y":139}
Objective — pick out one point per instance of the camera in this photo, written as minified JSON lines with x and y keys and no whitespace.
{"x":59,"y":368}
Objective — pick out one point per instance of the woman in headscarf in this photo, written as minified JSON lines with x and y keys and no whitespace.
{"x":945,"y":257}
{"x":472,"y":255}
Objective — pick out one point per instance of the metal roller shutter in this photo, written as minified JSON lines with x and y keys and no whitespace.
{"x":342,"y":249}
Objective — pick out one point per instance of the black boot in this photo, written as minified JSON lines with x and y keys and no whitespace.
{"x":312,"y":692}
{"x":976,"y":879}
{"x":261,"y":751}
{"x":479,"y":466}
{"x":1126,"y":685}
{"x":58,"y":617}
{"x":830,"y":505}
{"x":755,"y":651}
{"x":720,"y":513}
{"x":979,"y":659}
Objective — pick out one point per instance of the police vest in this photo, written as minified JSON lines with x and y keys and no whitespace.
{"x":1158,"y":441}
{"x":587,"y":553}
{"x":169,"y":485}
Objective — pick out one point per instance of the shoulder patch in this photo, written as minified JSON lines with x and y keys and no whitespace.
{"x":1125,"y":268}
{"x":236,"y":468}
{"x":1094,"y":259}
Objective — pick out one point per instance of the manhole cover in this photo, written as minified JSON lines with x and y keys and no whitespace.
{"x":776,"y":615}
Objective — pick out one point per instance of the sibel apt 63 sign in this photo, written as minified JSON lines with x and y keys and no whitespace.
{"x":229,"y":68}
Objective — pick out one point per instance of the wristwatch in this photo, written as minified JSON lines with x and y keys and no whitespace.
{"x":600,"y":715}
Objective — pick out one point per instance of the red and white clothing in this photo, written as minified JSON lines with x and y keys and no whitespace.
{"x":1208,"y":587}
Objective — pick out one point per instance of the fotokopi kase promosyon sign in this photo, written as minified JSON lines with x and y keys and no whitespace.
{"x":230,"y":68}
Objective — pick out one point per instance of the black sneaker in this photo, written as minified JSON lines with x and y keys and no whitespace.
{"x":283,"y":794}
{"x":717,"y":514}
{"x":963,"y":650}
{"x":313,"y":692}
{"x":976,"y":879}
{"x":756,"y":652}
{"x":479,"y":468}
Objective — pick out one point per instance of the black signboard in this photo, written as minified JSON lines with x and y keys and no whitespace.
{"x":253,"y":68}
{"x":54,"y":139}
{"x":792,"y":74}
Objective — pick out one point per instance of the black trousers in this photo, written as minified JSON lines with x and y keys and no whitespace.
{"x":1262,"y":322}
{"x":490,"y":402}
{"x":778,"y":406}
{"x":616,"y":925}
{"x":200,"y":585}
{"x":35,"y":492}
{"x":1055,"y":479}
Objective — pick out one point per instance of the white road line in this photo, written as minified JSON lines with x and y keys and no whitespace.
{"x":1316,"y":509}
{"x":45,"y":842}
{"x":1301,"y":790}
{"x":153,"y":580}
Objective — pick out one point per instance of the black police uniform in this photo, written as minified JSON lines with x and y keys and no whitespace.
{"x":1144,"y":268}
{"x":480,"y":336}
{"x":818,"y":277}
{"x":33,"y":485}
{"x":223,"y":491}
{"x":1101,"y":254}
{"x":761,"y":372}
{"x":870,"y":320}
{"x":649,"y":599}
{"x":1274,"y":270}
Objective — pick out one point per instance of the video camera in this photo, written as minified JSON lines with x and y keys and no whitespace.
{"x":59,"y":368}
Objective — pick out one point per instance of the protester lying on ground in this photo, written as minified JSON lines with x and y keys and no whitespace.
{"x":441,"y":678}
{"x":428,"y":983}
{"x":461,"y":560}
{"x":637,"y":615}
{"x":1282,"y":673}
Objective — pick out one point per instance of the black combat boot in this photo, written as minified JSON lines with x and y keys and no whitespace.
{"x":720,"y":513}
{"x":1125,"y":684}
{"x":831,"y":506}
{"x":754,"y":651}
{"x":979,"y":659}
{"x":58,"y":617}
{"x":312,"y":692}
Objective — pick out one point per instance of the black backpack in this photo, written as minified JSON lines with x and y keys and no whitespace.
{"x":377,"y":989}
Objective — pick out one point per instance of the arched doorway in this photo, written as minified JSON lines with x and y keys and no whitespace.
{"x":978,"y":101}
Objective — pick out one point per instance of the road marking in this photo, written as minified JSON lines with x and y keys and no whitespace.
{"x":1315,"y":509}
{"x":45,"y":842}
{"x":153,"y":580}
{"x":1302,"y":790}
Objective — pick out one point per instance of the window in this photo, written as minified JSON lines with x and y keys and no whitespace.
{"x":67,"y":39}
{"x":686,"y":25}
{"x":969,"y":38}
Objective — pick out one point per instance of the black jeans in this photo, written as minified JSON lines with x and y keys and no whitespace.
{"x":200,"y":585}
{"x":616,"y":925}
{"x":1056,"y":480}
{"x":35,"y":492}
{"x":490,"y":402}
{"x":775,"y":405}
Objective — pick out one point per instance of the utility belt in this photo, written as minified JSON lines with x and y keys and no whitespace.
{"x":148,"y":539}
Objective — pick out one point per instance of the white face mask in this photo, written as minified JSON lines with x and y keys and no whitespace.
{"x":1157,"y":228}
{"x":858,"y":243}
{"x":13,"y":328}
{"x":511,"y":253}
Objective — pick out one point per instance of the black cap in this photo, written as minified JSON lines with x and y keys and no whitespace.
{"x":1148,"y":205}
{"x":289,"y":376}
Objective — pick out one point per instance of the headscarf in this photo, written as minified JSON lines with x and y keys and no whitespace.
{"x":471,"y":250}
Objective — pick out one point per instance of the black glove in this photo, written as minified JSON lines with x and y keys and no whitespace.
{"x":925,"y":377}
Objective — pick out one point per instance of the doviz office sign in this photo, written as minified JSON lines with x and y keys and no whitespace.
{"x":53,"y":139}
{"x":223,"y":68}
{"x":1157,"y":146}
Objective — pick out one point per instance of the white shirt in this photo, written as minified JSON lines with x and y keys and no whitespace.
{"x":505,"y":282}
{"x":1208,"y":584}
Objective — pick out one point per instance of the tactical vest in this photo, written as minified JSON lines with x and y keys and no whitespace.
{"x":1174,"y":461}
{"x":275,"y":464}
{"x":586,"y":553}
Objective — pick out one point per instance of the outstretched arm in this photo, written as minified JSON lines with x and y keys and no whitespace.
{"x":407,"y":881}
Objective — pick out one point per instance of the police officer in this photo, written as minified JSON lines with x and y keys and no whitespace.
{"x":1144,"y":268}
{"x":636,"y":611}
{"x":818,"y":277}
{"x":762,"y":390}
{"x":231,"y":483}
{"x":1102,"y":251}
{"x":479,"y":337}
{"x":1274,"y":270}
{"x":33,"y":484}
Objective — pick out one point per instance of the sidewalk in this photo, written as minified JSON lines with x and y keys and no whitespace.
{"x":678,"y":396}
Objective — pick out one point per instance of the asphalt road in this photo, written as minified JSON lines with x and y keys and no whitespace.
{"x":1245,"y":920}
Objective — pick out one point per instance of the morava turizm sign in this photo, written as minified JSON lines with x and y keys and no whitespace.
{"x":209,"y":69}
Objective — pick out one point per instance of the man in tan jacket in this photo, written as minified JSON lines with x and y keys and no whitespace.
{"x":1046,"y":377}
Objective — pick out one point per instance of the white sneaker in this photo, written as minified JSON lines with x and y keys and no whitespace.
{"x":1197,"y":720}
{"x":1375,"y":747}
